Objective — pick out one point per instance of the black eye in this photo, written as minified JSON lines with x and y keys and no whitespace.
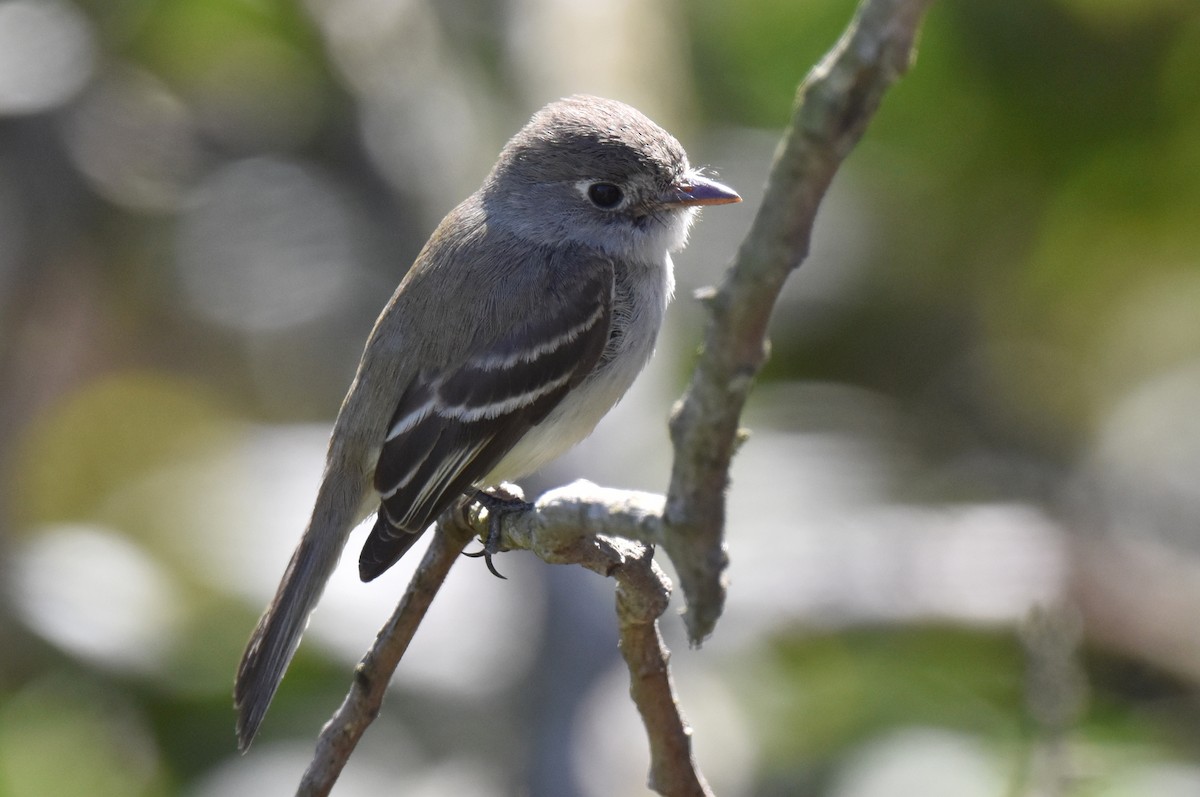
{"x":605,"y":195}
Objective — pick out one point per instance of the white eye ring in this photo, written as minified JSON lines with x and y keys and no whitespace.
{"x":602,"y":193}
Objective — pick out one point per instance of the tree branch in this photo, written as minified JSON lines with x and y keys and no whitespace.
{"x":833,"y":107}
{"x":371,"y":677}
{"x":613,"y":532}
{"x":610,"y":532}
{"x":642,"y":594}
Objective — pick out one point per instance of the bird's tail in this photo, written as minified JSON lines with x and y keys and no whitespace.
{"x":278,"y":632}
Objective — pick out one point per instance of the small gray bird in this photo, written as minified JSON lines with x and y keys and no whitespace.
{"x":524,"y":319}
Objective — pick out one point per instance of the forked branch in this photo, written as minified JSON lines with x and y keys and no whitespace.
{"x":613,"y":532}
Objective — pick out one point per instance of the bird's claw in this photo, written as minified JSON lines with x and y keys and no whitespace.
{"x":497,"y":505}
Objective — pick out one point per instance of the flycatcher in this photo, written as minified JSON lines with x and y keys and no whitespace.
{"x":524,"y":319}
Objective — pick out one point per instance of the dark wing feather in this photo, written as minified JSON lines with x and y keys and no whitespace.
{"x":452,"y":427}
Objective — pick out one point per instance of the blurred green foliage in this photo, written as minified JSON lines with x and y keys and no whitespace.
{"x":1028,"y":201}
{"x":114,"y":431}
{"x":819,"y":695}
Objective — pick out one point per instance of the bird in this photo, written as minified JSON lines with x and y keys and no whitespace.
{"x":523,"y":320}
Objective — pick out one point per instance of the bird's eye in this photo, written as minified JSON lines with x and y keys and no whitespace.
{"x":605,"y":195}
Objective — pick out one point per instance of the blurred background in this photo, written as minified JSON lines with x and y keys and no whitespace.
{"x":965,"y":531}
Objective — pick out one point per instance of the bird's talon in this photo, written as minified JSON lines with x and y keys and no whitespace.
{"x":487,"y":559}
{"x":498,"y":504}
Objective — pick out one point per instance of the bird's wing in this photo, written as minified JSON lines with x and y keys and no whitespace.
{"x":452,"y":426}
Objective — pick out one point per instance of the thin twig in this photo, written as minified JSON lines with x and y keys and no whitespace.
{"x":834,"y":104}
{"x":642,"y":594}
{"x":1055,"y":699}
{"x":371,"y":677}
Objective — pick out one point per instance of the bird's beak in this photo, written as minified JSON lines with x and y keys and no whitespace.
{"x":695,"y":190}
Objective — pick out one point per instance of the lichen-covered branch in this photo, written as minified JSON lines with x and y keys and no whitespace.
{"x":833,"y":106}
{"x":583,"y":508}
{"x":612,"y":533}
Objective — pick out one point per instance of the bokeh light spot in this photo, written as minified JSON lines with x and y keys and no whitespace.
{"x":46,"y":54}
{"x":96,"y":595}
{"x":135,"y":141}
{"x":265,"y":245}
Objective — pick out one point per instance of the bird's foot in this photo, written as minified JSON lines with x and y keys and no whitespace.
{"x":498,"y":502}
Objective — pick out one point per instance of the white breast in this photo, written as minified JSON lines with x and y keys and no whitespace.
{"x":642,"y":295}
